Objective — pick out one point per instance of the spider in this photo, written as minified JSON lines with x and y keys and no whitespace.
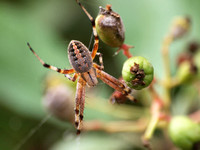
{"x":86,"y":71}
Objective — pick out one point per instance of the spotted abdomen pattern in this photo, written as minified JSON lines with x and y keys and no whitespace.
{"x":79,"y":56}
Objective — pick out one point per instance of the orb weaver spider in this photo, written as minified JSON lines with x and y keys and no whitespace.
{"x":86,"y":71}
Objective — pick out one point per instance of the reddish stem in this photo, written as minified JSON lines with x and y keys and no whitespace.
{"x":125,"y":49}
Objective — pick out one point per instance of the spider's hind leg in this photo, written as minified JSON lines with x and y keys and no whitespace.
{"x":79,"y":106}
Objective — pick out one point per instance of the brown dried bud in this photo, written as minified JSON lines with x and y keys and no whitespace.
{"x":110,"y":27}
{"x":193,"y":47}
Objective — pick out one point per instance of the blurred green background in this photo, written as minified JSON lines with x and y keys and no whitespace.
{"x":49,"y":25}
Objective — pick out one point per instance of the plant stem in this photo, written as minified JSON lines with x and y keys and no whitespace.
{"x":151,"y":127}
{"x":116,"y":126}
{"x":165,"y":52}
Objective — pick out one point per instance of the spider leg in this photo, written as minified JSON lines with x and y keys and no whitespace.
{"x":96,"y":39}
{"x":100,"y":60}
{"x":63,"y":71}
{"x":75,"y":76}
{"x":82,"y":106}
{"x":80,"y":100}
{"x":115,"y":83}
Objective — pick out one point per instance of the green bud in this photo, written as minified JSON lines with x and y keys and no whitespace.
{"x":137,"y":72}
{"x":186,"y":72}
{"x":180,"y":26}
{"x":197,"y":63}
{"x":184,"y":132}
{"x":109,"y":27}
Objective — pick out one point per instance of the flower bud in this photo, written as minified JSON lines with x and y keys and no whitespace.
{"x":193,"y":47}
{"x":185,"y":56}
{"x":180,"y":27}
{"x":186,"y":72}
{"x":184,"y":132}
{"x":109,"y":27}
{"x":197,"y":63}
{"x":137,"y":72}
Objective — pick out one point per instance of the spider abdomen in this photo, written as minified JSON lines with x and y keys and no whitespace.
{"x":79,"y":56}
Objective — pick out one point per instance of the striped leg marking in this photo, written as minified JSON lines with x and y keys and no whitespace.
{"x":100,"y":60}
{"x":96,"y":39}
{"x":79,"y":107}
{"x":115,"y":83}
{"x":72,"y":78}
{"x":63,"y":71}
{"x":82,"y":104}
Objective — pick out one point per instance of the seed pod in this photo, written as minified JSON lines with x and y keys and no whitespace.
{"x":184,"y":132}
{"x":110,"y":27}
{"x":137,"y":72}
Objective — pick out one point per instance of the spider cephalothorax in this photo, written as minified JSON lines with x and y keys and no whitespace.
{"x":86,"y":71}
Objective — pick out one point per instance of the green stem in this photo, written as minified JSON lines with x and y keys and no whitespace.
{"x":151,"y":127}
{"x":165,"y":52}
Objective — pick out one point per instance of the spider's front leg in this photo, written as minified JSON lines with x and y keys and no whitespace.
{"x":114,"y":83}
{"x":96,"y":39}
{"x":72,"y":78}
{"x":80,"y":102}
{"x":100,"y":60}
{"x":63,"y":71}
